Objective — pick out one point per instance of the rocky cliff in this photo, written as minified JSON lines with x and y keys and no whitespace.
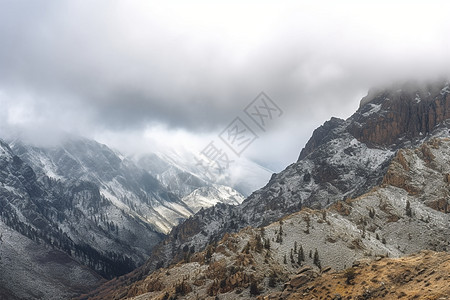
{"x":401,"y":113}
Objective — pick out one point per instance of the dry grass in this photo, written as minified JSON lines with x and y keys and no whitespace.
{"x":425,"y":275}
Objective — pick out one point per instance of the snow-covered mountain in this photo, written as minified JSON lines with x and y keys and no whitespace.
{"x":343,"y":159}
{"x":73,"y":216}
{"x":151,"y":188}
{"x":407,"y":213}
{"x":211,"y":195}
{"x":91,"y":203}
{"x":179,"y":169}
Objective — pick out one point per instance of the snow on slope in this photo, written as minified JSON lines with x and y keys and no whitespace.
{"x":33,"y":271}
{"x":349,"y":233}
{"x":211,"y":195}
{"x":149,"y":189}
{"x":244,"y":175}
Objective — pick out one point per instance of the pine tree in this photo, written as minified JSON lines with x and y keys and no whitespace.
{"x":208,"y":254}
{"x":300,"y":255}
{"x":317,"y":259}
{"x":267,"y":244}
{"x":285,"y":259}
{"x":408,"y":209}
{"x":258,"y":243}
{"x":273,"y":280}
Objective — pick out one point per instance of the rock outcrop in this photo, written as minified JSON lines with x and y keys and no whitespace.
{"x":392,"y":116}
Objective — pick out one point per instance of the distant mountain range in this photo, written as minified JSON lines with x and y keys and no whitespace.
{"x":91,"y":206}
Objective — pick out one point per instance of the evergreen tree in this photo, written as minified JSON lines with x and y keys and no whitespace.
{"x":300,"y":255}
{"x":317,"y":259}
{"x":408,"y":209}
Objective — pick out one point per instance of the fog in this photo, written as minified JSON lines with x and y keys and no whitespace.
{"x":144,"y":76}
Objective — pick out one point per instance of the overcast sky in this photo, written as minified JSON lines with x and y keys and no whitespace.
{"x":144,"y":75}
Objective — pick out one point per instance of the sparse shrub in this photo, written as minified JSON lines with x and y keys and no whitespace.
{"x":350,"y":275}
{"x":208,"y":255}
{"x":183,"y":288}
{"x":267,"y":244}
{"x":246,"y":249}
{"x":258,"y":243}
{"x":273,"y":280}
{"x":254,"y":289}
{"x":372,"y":212}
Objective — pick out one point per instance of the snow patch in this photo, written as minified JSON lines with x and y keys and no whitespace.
{"x":417,"y":99}
{"x":445,"y":90}
{"x":375,"y":108}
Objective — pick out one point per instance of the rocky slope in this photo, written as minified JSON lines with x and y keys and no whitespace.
{"x":31,"y":270}
{"x":128,"y":187}
{"x":408,"y":212}
{"x":339,"y":162}
{"x":424,"y":275}
{"x":72,"y":216}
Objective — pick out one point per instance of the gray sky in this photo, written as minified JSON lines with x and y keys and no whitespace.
{"x":143,"y":75}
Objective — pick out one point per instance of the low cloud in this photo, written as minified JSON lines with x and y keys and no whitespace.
{"x":101,"y":68}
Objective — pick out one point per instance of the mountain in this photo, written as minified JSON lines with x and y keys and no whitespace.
{"x":179,"y":170}
{"x":343,"y":160}
{"x":334,"y":165}
{"x":33,"y":270}
{"x":196,"y":192}
{"x":211,"y":195}
{"x":85,"y":205}
{"x":408,"y":212}
{"x":128,"y":187}
{"x":72,"y":216}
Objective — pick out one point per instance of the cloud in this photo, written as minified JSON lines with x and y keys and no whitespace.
{"x":103,"y":67}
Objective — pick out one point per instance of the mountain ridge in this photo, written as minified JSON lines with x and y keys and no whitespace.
{"x":351,"y":233}
{"x":333,"y":166}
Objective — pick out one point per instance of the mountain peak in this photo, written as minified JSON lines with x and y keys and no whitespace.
{"x":413,"y":90}
{"x":407,"y":111}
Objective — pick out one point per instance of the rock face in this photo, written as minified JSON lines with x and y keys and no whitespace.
{"x":389,"y":116}
{"x":392,"y":117}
